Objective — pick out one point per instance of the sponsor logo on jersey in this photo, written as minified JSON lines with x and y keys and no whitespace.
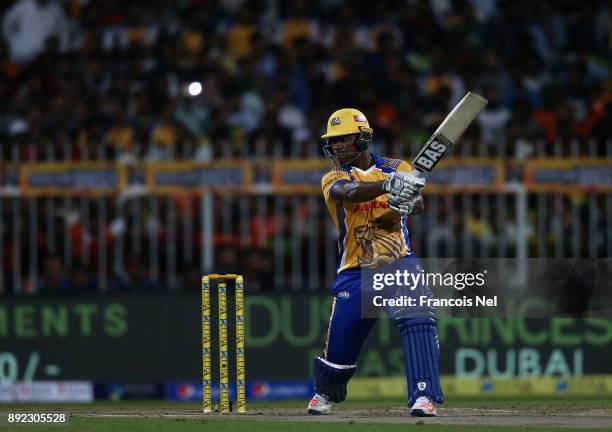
{"x":370,"y":205}
{"x":343,"y":294}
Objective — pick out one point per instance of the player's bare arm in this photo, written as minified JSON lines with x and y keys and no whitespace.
{"x":355,"y":192}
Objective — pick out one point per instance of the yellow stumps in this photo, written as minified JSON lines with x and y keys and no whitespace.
{"x":223,"y":351}
{"x":240,"y":367}
{"x":224,"y":359}
{"x":206,"y":360}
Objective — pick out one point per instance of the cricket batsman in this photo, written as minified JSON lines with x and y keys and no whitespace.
{"x":369,"y":198}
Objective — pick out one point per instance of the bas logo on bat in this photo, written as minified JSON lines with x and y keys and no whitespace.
{"x":430,"y":155}
{"x":449,"y":131}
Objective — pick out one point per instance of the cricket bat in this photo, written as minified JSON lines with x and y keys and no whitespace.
{"x":448,"y":133}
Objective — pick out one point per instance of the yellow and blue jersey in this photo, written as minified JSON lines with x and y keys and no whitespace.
{"x":370,"y":234}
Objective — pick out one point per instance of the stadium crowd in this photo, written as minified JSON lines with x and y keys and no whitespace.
{"x":110,"y":80}
{"x":105,"y":79}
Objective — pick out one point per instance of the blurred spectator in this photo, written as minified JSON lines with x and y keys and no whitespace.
{"x":28,"y":24}
{"x":120,"y":138}
{"x":493,"y":120}
{"x":256,"y":267}
{"x":164,"y":137}
{"x":226,"y":260}
{"x":240,"y":33}
{"x":83,"y":280}
{"x":54,"y":278}
{"x":135,"y":279}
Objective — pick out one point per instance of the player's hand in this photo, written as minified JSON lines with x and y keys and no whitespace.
{"x":403,"y":206}
{"x":403,"y":185}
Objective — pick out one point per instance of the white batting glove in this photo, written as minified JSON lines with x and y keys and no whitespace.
{"x":403,"y":185}
{"x":403,"y":206}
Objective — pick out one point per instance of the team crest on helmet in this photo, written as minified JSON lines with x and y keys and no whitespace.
{"x":335,"y":121}
{"x":360,"y":118}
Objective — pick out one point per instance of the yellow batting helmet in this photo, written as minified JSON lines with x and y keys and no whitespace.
{"x":348,"y":121}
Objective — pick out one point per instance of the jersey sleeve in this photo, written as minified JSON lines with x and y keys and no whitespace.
{"x":397,"y":165}
{"x":330,"y":179}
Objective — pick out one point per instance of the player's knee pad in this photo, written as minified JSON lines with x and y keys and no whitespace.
{"x":331,"y":379}
{"x":421,"y":358}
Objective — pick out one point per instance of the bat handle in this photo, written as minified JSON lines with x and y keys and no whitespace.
{"x":418,"y":173}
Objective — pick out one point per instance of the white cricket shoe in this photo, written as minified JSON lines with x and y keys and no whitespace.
{"x":423,"y":407}
{"x":319,"y":405}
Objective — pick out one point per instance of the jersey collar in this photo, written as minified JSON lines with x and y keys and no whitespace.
{"x":378,"y":162}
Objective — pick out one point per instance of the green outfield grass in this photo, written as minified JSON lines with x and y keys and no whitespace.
{"x":492,"y":402}
{"x":134,"y":409}
{"x":180,"y":425}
